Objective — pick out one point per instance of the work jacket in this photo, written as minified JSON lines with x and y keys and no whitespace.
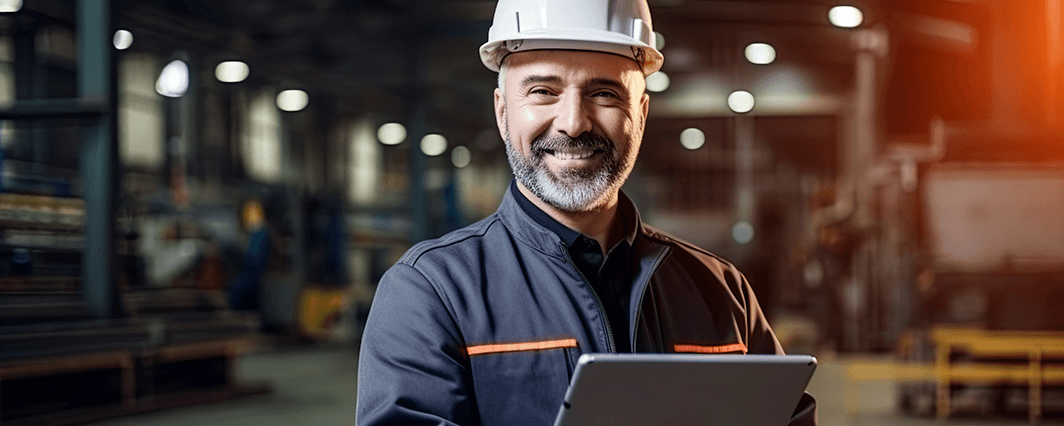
{"x":484,"y":325}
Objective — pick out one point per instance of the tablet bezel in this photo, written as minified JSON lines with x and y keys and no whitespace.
{"x":682,"y":389}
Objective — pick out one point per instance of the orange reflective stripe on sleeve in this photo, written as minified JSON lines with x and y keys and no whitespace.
{"x":702,"y":349}
{"x":520,"y":347}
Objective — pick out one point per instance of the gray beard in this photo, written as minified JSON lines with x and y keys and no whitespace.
{"x":573,"y":189}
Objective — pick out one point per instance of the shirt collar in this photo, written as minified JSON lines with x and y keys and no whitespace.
{"x":625,"y":207}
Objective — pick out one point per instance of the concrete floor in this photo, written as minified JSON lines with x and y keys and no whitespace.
{"x":317,"y":387}
{"x":310,"y":387}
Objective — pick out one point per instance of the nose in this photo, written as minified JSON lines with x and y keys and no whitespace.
{"x":573,"y":119}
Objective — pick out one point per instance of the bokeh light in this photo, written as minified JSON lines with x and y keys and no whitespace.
{"x":460,"y":156}
{"x":231,"y":72}
{"x":292,"y":100}
{"x":692,"y":138}
{"x":657,"y":82}
{"x":742,"y":232}
{"x":122,"y":39}
{"x":433,"y":144}
{"x":436,"y":179}
{"x":760,"y":53}
{"x":173,"y":80}
{"x":845,"y":16}
{"x":10,"y":6}
{"x":741,"y":101}
{"x":391,"y":133}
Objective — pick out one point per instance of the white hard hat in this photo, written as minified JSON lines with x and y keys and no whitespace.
{"x":614,"y":26}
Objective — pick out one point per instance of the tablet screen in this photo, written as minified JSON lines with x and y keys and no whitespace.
{"x":685,"y":389}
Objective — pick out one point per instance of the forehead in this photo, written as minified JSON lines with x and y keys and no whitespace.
{"x":573,"y":67}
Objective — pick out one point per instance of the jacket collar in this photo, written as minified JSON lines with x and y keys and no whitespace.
{"x":538,"y":229}
{"x":567,"y":235}
{"x":527,"y":230}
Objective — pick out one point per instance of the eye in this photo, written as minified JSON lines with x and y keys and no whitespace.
{"x":539,"y":91}
{"x":605,"y":94}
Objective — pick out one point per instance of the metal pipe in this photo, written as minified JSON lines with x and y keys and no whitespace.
{"x":870,"y":44}
{"x":930,"y":152}
{"x":51,"y":109}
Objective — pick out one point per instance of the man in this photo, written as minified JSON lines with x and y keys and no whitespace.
{"x":484,"y":325}
{"x":243,"y":292}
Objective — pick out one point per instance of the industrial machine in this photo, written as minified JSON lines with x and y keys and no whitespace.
{"x":989,"y":291}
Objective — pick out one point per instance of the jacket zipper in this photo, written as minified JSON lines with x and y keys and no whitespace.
{"x":643,"y":293}
{"x":602,"y":308}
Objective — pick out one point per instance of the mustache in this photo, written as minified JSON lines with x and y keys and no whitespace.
{"x":544,"y":143}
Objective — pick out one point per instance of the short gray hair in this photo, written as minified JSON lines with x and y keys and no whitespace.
{"x":503,"y":66}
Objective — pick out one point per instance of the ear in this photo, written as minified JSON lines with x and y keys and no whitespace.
{"x":500,"y":113}
{"x":645,"y":104}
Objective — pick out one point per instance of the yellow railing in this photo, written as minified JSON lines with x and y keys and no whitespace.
{"x":1034,"y":347}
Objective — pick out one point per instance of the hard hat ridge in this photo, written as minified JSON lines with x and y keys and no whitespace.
{"x":618,"y":27}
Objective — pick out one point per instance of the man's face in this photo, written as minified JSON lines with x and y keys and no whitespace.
{"x":573,"y":122}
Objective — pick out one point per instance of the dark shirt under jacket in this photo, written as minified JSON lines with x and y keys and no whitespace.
{"x":608,"y":275}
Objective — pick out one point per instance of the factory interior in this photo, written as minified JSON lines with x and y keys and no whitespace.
{"x":198,"y":197}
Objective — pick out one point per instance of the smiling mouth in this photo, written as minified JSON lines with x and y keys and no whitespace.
{"x":573,"y":154}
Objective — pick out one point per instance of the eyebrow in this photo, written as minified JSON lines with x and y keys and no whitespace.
{"x":532,"y":79}
{"x":609,"y":82}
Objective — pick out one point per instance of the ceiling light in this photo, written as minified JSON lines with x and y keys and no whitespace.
{"x":391,"y":134}
{"x":692,"y":138}
{"x":173,"y":80}
{"x":10,"y":6}
{"x":659,"y":40}
{"x":460,"y":156}
{"x":742,"y":232}
{"x":741,"y":101}
{"x":123,"y":39}
{"x":433,"y":145}
{"x":845,"y":16}
{"x":760,"y":53}
{"x":657,"y":82}
{"x":231,"y":72}
{"x":292,"y":100}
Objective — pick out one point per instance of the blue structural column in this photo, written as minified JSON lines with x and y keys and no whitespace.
{"x":99,"y":156}
{"x":417,"y":107}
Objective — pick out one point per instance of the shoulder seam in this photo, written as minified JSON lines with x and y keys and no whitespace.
{"x":412,"y":258}
{"x":665,"y":238}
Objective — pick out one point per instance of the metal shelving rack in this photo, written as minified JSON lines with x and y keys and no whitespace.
{"x":96,"y":105}
{"x":82,"y":357}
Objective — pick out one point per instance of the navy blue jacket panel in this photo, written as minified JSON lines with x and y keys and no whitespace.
{"x":484,"y":325}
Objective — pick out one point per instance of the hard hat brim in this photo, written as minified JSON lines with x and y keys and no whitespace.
{"x":648,"y":58}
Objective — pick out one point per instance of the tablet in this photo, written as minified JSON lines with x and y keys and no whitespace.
{"x":685,"y":389}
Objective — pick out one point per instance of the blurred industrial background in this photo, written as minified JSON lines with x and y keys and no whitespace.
{"x":198,"y":197}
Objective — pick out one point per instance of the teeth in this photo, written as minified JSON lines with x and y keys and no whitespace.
{"x":577,"y":154}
